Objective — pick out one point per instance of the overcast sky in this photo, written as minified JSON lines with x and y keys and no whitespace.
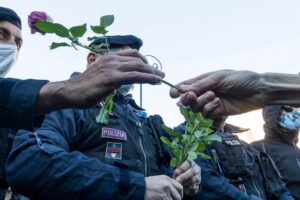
{"x":189,"y":38}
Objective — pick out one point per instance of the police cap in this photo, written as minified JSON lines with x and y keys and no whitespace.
{"x":120,"y":40}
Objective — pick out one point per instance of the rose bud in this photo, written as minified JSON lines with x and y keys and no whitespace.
{"x":36,"y":16}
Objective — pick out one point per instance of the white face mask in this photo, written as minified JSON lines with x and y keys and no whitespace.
{"x":8,"y":57}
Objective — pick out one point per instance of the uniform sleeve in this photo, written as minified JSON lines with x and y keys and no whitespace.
{"x":285,"y":194}
{"x":17,"y":102}
{"x":215,"y":186}
{"x":41,"y":165}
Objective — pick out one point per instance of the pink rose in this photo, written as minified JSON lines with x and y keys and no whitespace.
{"x":36,"y":16}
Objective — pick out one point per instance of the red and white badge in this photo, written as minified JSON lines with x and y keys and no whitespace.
{"x":113,"y":150}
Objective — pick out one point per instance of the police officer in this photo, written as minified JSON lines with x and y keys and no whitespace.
{"x":282,"y":124}
{"x":73,"y":157}
{"x":21,"y":101}
{"x":236,"y":170}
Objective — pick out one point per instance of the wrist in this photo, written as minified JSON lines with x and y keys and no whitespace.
{"x":52,"y":96}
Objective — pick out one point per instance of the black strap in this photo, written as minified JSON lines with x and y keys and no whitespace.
{"x":154,"y":122}
{"x":270,"y":174}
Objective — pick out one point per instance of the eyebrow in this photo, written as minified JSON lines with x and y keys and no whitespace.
{"x":5,"y":30}
{"x":18,"y":39}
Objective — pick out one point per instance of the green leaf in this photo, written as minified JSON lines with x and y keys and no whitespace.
{"x":185,"y":139}
{"x":78,"y":31}
{"x":99,"y":30}
{"x":198,"y":133}
{"x":49,"y":27}
{"x":174,"y":162}
{"x":177,"y":152}
{"x":106,"y":20}
{"x":103,"y":115}
{"x":214,"y":137}
{"x":202,"y":155}
{"x":184,"y":111}
{"x":166,"y":141}
{"x":192,"y":155}
{"x":194,"y":147}
{"x":175,"y":143}
{"x":172,"y":132}
{"x":201,"y":147}
{"x":44,"y":26}
{"x":55,"y":45}
{"x":61,"y":31}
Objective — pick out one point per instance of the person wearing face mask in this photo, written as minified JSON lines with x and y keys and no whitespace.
{"x":282,"y":125}
{"x":8,"y":57}
{"x":21,"y":101}
{"x":75,"y":157}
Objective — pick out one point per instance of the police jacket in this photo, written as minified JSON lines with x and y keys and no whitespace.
{"x":279,"y":144}
{"x":17,"y":102}
{"x":233,"y":172}
{"x":73,"y":157}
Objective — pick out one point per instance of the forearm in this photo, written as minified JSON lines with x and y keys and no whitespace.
{"x":17,"y":102}
{"x":58,"y":174}
{"x":52,"y":97}
{"x":281,"y":89}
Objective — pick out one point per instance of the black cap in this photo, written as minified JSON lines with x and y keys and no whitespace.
{"x":120,"y":40}
{"x":11,"y":16}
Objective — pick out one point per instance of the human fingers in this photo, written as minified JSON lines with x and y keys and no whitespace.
{"x":140,"y":67}
{"x":178,"y":189}
{"x":213,"y":108}
{"x":123,"y":58}
{"x":131,"y":53}
{"x":174,"y":194}
{"x":175,"y":93}
{"x":190,"y":85}
{"x":195,"y":103}
{"x":138,"y":77}
{"x":194,"y":180}
{"x":189,"y":98}
{"x":182,"y":168}
{"x":192,"y":172}
{"x":191,"y":190}
{"x":202,"y":101}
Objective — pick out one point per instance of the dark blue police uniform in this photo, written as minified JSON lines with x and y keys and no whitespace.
{"x":73,"y":157}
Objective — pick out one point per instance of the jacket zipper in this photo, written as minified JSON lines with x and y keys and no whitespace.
{"x":142,"y":147}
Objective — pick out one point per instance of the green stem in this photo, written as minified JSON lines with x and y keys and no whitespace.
{"x":83,"y":46}
{"x":195,"y":126}
{"x":106,"y":42}
{"x":185,"y":151}
{"x":171,"y":85}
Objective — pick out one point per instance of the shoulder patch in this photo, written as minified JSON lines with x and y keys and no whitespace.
{"x":113,"y":150}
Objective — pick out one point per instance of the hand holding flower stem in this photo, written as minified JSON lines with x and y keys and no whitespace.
{"x":185,"y":146}
{"x":42,"y":23}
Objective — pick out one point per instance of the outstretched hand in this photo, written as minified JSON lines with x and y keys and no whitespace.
{"x":102,"y":76}
{"x":224,"y":92}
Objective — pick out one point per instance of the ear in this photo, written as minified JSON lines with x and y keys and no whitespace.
{"x":91,"y":57}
